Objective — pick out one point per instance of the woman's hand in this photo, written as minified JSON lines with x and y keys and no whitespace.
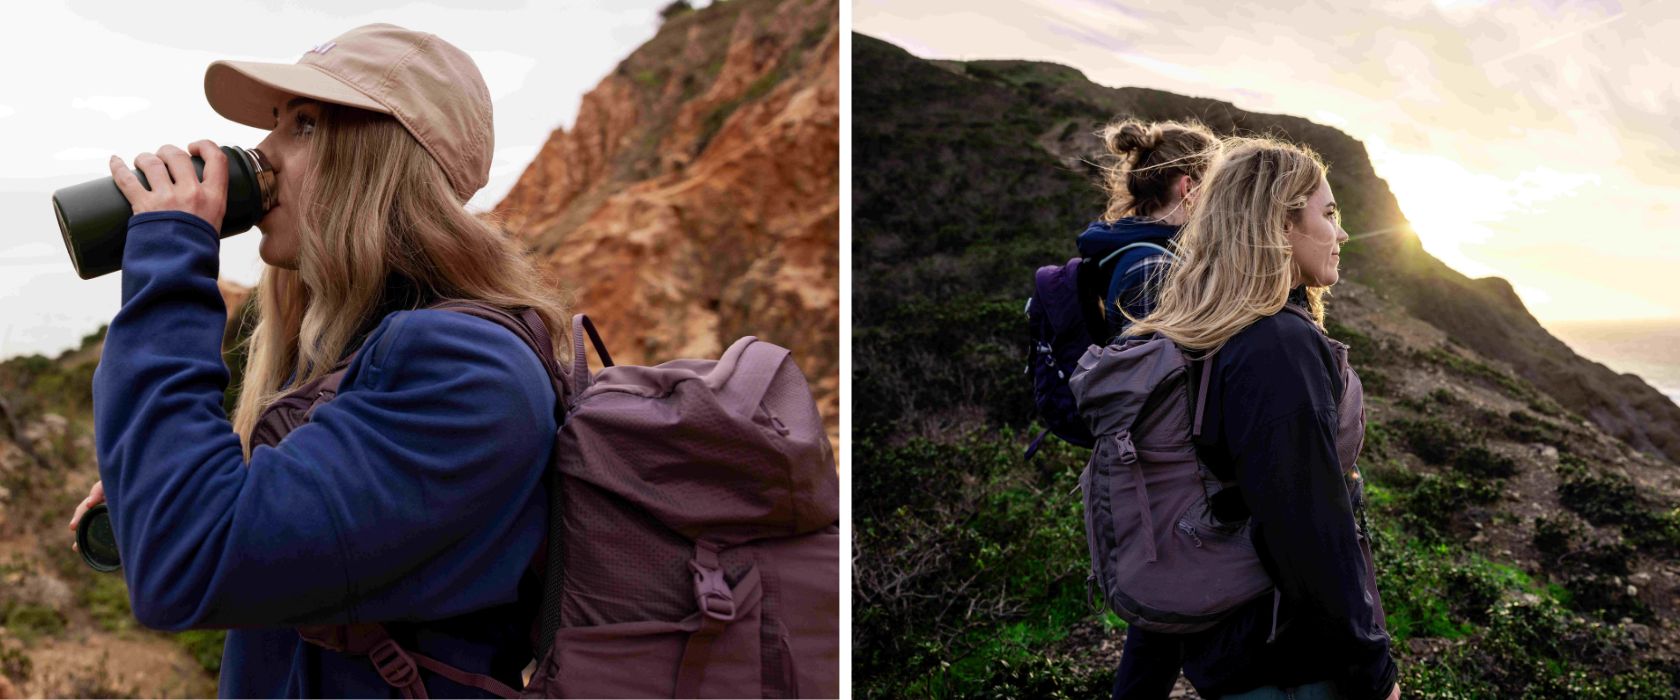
{"x":175,"y":184}
{"x":1394,"y":694}
{"x":96,"y":496}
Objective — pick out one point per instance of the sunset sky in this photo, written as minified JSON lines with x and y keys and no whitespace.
{"x":1533,"y":141}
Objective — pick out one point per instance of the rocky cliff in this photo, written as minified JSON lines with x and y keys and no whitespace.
{"x":696,"y":197}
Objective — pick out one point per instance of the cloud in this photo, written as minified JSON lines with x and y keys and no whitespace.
{"x":81,"y":153}
{"x":504,"y":71}
{"x":112,"y":106}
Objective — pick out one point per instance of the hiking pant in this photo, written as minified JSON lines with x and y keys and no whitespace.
{"x":1322,"y":690}
{"x":1149,"y":665}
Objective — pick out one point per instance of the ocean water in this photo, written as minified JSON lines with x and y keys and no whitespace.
{"x":1648,"y":348}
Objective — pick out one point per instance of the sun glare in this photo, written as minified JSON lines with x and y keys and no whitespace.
{"x":1452,"y":209}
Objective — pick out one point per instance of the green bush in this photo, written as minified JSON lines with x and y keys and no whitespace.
{"x":1555,"y":536}
{"x":1479,"y":461}
{"x":1611,"y":499}
{"x":105,"y":598}
{"x":1432,"y":439}
{"x":1432,"y":507}
{"x":205,"y":646}
{"x":31,"y":622}
{"x":1522,"y":426}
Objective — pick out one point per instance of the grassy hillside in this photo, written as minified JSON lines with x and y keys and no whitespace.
{"x":1525,"y":502}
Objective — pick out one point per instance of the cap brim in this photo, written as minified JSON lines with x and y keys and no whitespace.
{"x":249,"y":92}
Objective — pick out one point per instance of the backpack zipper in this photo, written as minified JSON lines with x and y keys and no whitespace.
{"x":1191,"y":531}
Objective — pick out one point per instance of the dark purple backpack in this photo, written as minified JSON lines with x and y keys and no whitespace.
{"x":1065,"y":318}
{"x":1160,"y":557}
{"x":1061,"y":331}
{"x":694,"y":544}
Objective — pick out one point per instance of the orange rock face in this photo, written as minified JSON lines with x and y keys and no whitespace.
{"x":686,"y":209}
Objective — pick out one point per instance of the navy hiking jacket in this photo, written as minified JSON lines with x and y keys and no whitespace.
{"x":1271,"y":424}
{"x":1135,"y":275}
{"x":414,"y":497}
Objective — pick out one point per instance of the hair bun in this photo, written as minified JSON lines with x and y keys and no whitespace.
{"x":1131,"y":136}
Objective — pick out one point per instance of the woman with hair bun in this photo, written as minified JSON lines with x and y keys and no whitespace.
{"x":1154,"y":168}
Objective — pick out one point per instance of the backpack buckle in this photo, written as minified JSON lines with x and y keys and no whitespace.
{"x":394,"y":664}
{"x":712,"y":593}
{"x":1128,"y":451}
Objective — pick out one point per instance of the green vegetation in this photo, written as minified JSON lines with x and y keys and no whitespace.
{"x":1610,"y":499}
{"x":720,"y":114}
{"x":1471,"y":369}
{"x":969,"y":578}
{"x":205,"y":647}
{"x":648,"y":79}
{"x":105,"y":597}
{"x":31,"y":622}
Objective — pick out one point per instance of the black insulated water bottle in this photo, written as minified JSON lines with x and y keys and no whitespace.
{"x":93,"y":216}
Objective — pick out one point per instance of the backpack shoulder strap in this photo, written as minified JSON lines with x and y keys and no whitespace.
{"x":1111,"y":257}
{"x":525,"y":323}
{"x":1202,"y":381}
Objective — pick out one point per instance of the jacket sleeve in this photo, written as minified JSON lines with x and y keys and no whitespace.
{"x":415,"y":494}
{"x":1280,"y":421}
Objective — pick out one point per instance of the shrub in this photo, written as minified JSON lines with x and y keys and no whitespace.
{"x":205,"y":646}
{"x":1522,"y":426}
{"x":1479,"y":461}
{"x":1433,"y":505}
{"x":1555,"y":536}
{"x":1432,"y":439}
{"x":105,"y":598}
{"x":1611,"y":499}
{"x":31,"y":622}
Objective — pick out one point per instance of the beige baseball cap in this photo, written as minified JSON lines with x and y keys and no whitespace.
{"x":428,"y":84}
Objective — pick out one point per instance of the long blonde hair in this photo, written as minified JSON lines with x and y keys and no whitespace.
{"x":1234,"y":263}
{"x":1146,"y":158}
{"x":375,"y":205}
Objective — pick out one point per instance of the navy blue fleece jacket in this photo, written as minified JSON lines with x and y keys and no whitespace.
{"x":1131,"y":285}
{"x":415,"y":495}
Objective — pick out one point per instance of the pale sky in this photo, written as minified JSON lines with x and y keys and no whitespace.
{"x":83,"y":81}
{"x":1536,"y":141}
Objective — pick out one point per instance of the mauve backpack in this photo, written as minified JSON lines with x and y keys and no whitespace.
{"x":1161,"y":559}
{"x":693,"y":544}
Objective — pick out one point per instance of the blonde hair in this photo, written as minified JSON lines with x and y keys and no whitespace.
{"x":375,"y":204}
{"x":1235,"y":264}
{"x":1146,"y":159}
